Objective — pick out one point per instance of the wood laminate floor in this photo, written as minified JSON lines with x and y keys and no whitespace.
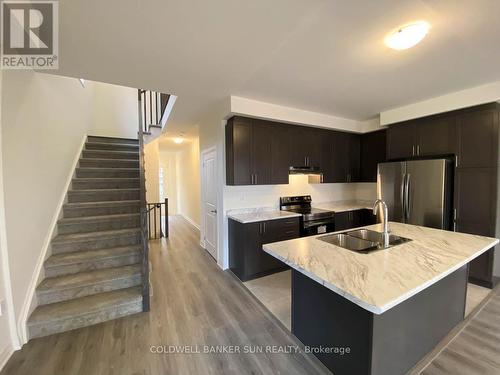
{"x":194,"y":304}
{"x":476,"y":348}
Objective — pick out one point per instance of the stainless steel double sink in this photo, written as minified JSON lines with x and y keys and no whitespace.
{"x":362,"y":240}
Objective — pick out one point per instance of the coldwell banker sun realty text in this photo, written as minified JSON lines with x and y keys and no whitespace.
{"x":30,"y":34}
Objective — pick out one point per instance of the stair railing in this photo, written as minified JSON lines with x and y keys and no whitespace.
{"x":143,"y":211}
{"x":152,"y":109}
{"x":157,"y":219}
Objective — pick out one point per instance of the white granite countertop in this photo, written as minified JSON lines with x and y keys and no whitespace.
{"x":380,"y":280}
{"x":259,"y":214}
{"x":346,"y":205}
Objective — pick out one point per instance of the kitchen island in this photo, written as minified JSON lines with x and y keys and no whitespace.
{"x":389,"y":307}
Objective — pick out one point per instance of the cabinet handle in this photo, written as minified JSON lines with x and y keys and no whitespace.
{"x":256,"y":179}
{"x":413,"y":150}
{"x":305,"y":161}
{"x":348,"y":177}
{"x":418,"y":150}
{"x":251,"y":178}
{"x":264,"y":226}
{"x":456,"y":161}
{"x":321,"y":178}
{"x":454,"y":220}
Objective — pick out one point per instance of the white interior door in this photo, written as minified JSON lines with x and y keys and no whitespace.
{"x":210,"y":202}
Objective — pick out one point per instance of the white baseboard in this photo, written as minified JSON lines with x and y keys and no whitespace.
{"x":5,"y":355}
{"x":29,"y":302}
{"x":190,"y":221}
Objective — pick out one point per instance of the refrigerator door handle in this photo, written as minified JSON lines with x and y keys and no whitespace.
{"x":403,"y":200}
{"x":407,"y":196}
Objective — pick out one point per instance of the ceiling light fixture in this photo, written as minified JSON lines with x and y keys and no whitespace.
{"x":408,"y":35}
{"x":178,"y":140}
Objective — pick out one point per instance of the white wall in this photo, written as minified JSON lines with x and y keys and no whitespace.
{"x":188,"y":182}
{"x":8,"y":335}
{"x":456,"y":100}
{"x":115,"y":111}
{"x":168,"y":161}
{"x":44,"y":121}
{"x":152,"y":165}
{"x":263,"y":110}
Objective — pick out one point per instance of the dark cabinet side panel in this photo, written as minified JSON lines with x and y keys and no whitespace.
{"x":478,"y":137}
{"x":475,"y":201}
{"x":239,"y":151}
{"x":373,"y":151}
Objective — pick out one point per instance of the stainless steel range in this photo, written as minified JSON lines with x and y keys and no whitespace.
{"x":313,"y":220}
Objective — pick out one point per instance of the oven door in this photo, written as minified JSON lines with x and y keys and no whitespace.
{"x":313,"y":227}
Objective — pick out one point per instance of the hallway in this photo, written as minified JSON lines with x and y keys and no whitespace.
{"x":194,"y":304}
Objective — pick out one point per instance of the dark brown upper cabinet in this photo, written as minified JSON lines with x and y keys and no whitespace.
{"x":248,"y":150}
{"x":401,"y":140}
{"x":436,"y":136}
{"x":373,"y":151}
{"x":239,"y":163}
{"x":280,"y":153}
{"x":340,"y":157}
{"x":304,"y":146}
{"x":478,"y":138}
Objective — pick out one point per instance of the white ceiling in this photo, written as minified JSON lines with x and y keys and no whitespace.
{"x":319,"y":55}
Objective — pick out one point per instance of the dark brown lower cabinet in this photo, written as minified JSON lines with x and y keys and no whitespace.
{"x":247,"y":260}
{"x":353,"y":219}
{"x":475,"y":194}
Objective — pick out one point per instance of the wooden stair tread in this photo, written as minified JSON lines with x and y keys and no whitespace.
{"x":77,"y":257}
{"x":88,"y":278}
{"x":99,"y":218}
{"x":75,"y":237}
{"x":101,"y":203}
{"x":85,"y":305}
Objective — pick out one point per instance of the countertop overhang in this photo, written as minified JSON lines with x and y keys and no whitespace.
{"x":380,"y":280}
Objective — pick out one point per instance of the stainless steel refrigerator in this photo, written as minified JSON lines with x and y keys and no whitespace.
{"x":418,"y":192}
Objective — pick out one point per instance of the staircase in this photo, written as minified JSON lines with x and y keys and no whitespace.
{"x":94,"y":272}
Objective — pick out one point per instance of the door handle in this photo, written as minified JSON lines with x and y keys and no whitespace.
{"x":213,"y":211}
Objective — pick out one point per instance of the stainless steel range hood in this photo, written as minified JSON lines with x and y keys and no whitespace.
{"x":314,"y":175}
{"x":304,"y":170}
